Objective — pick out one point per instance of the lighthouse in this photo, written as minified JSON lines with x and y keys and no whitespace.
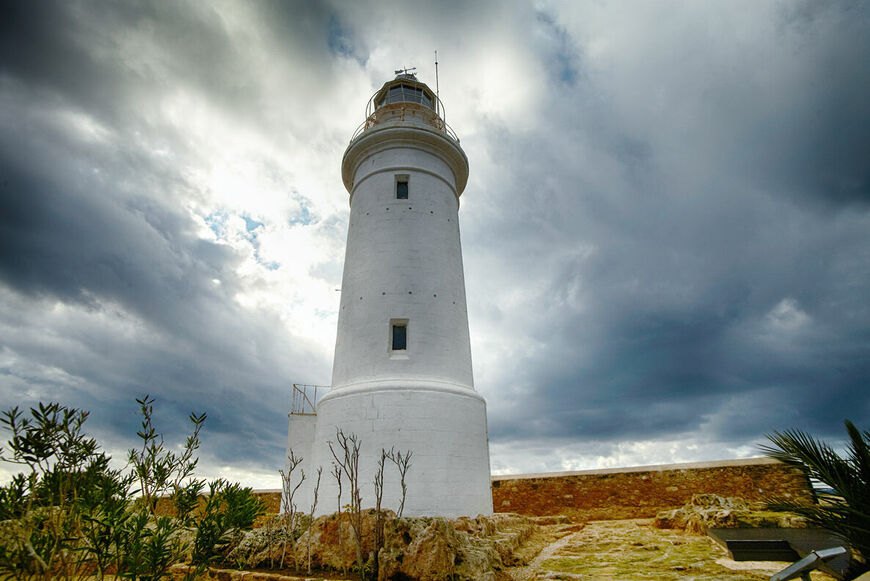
{"x":402,"y":373}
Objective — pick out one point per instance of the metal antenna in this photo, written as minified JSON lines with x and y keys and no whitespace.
{"x":437,"y":89}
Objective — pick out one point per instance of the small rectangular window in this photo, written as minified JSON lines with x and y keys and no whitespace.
{"x":400,"y":337}
{"x":402,"y":189}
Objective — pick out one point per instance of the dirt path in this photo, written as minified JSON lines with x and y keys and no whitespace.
{"x":529,"y":572}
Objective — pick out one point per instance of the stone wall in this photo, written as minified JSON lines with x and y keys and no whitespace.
{"x":632,"y":492}
{"x":272,"y":499}
{"x":644,"y":491}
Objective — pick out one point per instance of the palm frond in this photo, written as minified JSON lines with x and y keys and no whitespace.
{"x":799,"y":449}
{"x":845,"y":510}
{"x":859,"y":450}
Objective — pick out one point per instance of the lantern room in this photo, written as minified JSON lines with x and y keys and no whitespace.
{"x":404,"y":89}
{"x":405,"y":100}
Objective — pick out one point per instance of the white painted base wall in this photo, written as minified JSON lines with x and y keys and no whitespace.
{"x":445,"y":428}
{"x":300,"y":436}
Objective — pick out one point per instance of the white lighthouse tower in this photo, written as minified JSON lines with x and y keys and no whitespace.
{"x":402,"y":372}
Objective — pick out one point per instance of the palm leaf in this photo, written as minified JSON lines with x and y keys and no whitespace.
{"x":859,"y":451}
{"x":846,"y":510}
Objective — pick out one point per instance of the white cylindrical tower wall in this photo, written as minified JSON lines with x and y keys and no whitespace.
{"x":403,"y":263}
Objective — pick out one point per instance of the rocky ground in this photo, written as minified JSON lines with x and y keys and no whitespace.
{"x":503,"y":548}
{"x":635,"y":550}
{"x":705,"y":511}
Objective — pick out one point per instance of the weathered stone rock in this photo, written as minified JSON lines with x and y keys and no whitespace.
{"x":332,"y":541}
{"x":463,"y":549}
{"x":264,"y":547}
{"x":558,"y":519}
{"x":247,"y":552}
{"x":706,"y":511}
{"x":431,"y":554}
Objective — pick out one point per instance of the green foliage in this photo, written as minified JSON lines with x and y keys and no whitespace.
{"x":211,"y":532}
{"x":24,"y":546}
{"x":102,"y":529}
{"x":158,"y":470}
{"x":366,"y":569}
{"x":241,"y":506}
{"x":228,"y":508}
{"x":161,"y":548}
{"x":13,"y":498}
{"x":131,"y":546}
{"x":185,"y":500}
{"x":844,"y":509}
{"x":62,"y":462}
{"x":70,"y":514}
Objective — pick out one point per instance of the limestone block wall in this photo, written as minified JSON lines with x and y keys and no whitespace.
{"x":272,"y":500}
{"x":633,"y":492}
{"x":644,"y":491}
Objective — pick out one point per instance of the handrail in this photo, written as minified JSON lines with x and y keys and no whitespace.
{"x":436,"y":122}
{"x":809,"y":563}
{"x":304,"y":399}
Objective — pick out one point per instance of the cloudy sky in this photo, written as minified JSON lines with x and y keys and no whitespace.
{"x":666,"y":230}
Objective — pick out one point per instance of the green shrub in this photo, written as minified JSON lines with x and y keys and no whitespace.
{"x":69,"y":514}
{"x":242,"y":507}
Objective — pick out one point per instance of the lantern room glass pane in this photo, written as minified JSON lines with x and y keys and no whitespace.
{"x":405,"y":94}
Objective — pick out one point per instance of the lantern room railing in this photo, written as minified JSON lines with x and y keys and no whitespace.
{"x":436,"y":122}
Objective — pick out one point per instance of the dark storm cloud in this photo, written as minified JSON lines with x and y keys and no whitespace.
{"x":92,"y":219}
{"x":72,"y":238}
{"x":827,"y":126}
{"x":665,"y":231}
{"x":82,"y":240}
{"x":655,"y":256}
{"x":76,"y":51}
{"x":38,"y":47}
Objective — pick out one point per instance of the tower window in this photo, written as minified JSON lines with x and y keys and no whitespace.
{"x":400,"y":337}
{"x":399,"y":334}
{"x":401,"y":187}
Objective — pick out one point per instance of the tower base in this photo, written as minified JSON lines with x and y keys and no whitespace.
{"x":443,"y":426}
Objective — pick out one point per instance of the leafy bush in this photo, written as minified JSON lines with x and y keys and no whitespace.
{"x":69,"y":514}
{"x":62,"y":464}
{"x":241,"y":506}
{"x":13,"y":498}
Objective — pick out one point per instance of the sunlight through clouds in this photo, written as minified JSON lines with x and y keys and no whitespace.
{"x":664,"y":231}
